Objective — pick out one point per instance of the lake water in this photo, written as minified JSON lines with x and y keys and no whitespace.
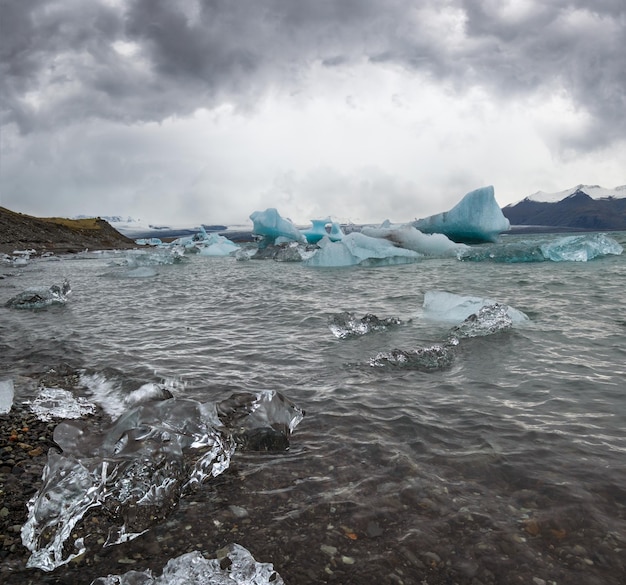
{"x":507,"y":465}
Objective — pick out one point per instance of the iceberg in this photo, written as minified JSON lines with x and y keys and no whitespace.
{"x":449,"y":307}
{"x":359,"y":249}
{"x":407,"y":236}
{"x":234,"y":565}
{"x":138,"y":468}
{"x":216,"y":245}
{"x":318,"y":230}
{"x":581,"y":248}
{"x":476,"y":218}
{"x":347,"y":324}
{"x":272,"y":226}
{"x":41,"y":297}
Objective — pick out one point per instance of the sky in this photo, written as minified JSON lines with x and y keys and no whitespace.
{"x":204,"y":111}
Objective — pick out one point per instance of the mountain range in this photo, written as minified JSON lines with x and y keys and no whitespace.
{"x":584,"y":207}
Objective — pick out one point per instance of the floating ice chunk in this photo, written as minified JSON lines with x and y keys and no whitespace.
{"x":7,"y":393}
{"x":216,"y":245}
{"x":271,"y":225}
{"x":283,"y":252}
{"x":435,"y":357}
{"x":53,"y":403}
{"x":581,"y":248}
{"x":40,"y":297}
{"x":506,"y":253}
{"x":240,"y":568}
{"x":359,"y":249}
{"x":407,"y":236}
{"x":445,"y":306}
{"x":318,"y":230}
{"x":347,"y":324}
{"x":149,"y":242}
{"x":147,"y":392}
{"x":488,"y":320}
{"x":476,"y":218}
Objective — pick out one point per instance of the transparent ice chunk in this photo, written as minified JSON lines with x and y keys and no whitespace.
{"x":41,"y":297}
{"x":51,"y":403}
{"x":7,"y":393}
{"x":234,"y":565}
{"x":347,"y":324}
{"x":138,"y":468}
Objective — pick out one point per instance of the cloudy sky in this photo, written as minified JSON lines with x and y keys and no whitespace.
{"x":194,"y":111}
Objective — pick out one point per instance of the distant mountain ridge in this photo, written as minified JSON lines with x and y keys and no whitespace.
{"x":584,"y":207}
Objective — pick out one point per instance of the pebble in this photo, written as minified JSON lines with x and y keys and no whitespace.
{"x":328,"y":549}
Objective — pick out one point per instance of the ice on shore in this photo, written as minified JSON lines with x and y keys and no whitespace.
{"x":359,"y":249}
{"x":234,"y":565}
{"x":41,"y":297}
{"x":7,"y":394}
{"x":139,"y":467}
{"x":476,"y":218}
{"x":51,"y":403}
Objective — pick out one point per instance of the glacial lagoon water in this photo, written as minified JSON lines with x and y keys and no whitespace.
{"x":503,"y":464}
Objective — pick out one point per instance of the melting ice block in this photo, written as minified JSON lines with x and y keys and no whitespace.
{"x":359,"y":249}
{"x":216,"y":245}
{"x":445,"y":306}
{"x":407,"y":236}
{"x":271,"y":225}
{"x":347,"y":324}
{"x":239,"y":568}
{"x":41,"y":297}
{"x":138,"y":468}
{"x":476,"y":218}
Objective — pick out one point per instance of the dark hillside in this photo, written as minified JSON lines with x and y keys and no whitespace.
{"x":55,"y":234}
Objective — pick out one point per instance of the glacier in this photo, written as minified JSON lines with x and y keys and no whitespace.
{"x":476,"y":218}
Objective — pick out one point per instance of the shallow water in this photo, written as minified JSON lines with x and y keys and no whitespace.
{"x":509,"y":463}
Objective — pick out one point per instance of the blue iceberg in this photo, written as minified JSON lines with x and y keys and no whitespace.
{"x":476,"y":218}
{"x":318,"y":230}
{"x":359,"y":249}
{"x":272,"y":226}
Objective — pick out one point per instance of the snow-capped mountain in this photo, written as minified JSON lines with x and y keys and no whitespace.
{"x":584,"y":207}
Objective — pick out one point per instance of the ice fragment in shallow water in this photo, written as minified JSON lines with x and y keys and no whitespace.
{"x":39,"y":297}
{"x":234,"y":566}
{"x":476,"y":218}
{"x":347,"y":324}
{"x":581,"y":248}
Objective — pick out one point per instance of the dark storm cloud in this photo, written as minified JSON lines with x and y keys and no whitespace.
{"x":60,"y":64}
